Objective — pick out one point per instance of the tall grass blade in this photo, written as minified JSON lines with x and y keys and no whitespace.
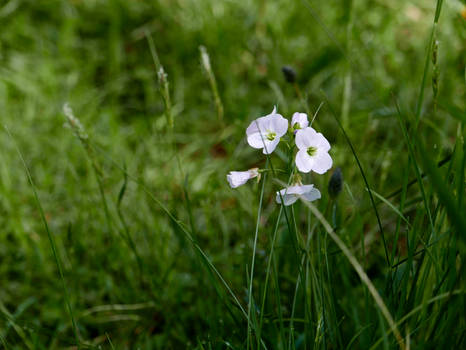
{"x":360,"y":271}
{"x":50,"y":237}
{"x":379,"y":222}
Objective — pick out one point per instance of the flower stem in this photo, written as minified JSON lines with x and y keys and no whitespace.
{"x":250,"y":296}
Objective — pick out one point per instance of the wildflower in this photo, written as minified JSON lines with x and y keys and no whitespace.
{"x":293,"y":193}
{"x":238,"y":178}
{"x":299,"y":121}
{"x":313,"y":151}
{"x":265,"y":132}
{"x":289,"y":73}
{"x":335,"y":184}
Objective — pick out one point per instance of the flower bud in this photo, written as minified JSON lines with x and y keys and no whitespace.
{"x":289,"y":73}
{"x":335,"y":184}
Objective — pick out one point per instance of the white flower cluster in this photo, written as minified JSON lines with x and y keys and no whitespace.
{"x":265,"y":133}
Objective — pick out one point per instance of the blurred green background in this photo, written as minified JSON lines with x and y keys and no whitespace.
{"x":358,"y":57}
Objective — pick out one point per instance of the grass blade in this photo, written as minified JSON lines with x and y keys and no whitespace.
{"x":50,"y":237}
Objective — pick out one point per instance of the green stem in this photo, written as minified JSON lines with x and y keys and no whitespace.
{"x":259,"y":210}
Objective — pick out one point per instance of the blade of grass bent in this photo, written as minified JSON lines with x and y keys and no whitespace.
{"x":391,"y":206}
{"x":417,"y":309}
{"x":183,"y":229}
{"x":379,"y":222}
{"x":362,"y":275}
{"x":12,"y":323}
{"x":50,"y":237}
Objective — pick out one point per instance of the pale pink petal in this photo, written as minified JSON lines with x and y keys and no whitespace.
{"x":291,"y":194}
{"x":259,"y":129}
{"x":305,"y":137}
{"x":304,"y":161}
{"x":311,"y":195}
{"x":288,"y":199}
{"x":255,"y":140}
{"x":323,"y":162}
{"x":252,"y":128}
{"x":256,"y":125}
{"x":300,"y":119}
{"x":301,"y":189}
{"x":279,"y":125}
{"x":322,"y":143}
{"x":270,"y":145}
{"x":238,"y":178}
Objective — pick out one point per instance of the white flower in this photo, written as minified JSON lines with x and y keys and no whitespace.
{"x":238,"y":178}
{"x":299,"y":121}
{"x":313,"y":150}
{"x":265,"y":132}
{"x":293,"y":193}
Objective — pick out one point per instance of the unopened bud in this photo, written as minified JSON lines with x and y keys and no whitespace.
{"x":335,"y":185}
{"x":289,"y":73}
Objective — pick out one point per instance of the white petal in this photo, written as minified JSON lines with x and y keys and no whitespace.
{"x":311,"y":195}
{"x":278,"y":124}
{"x":322,"y":163}
{"x":305,"y":138}
{"x":255,"y":140}
{"x":304,"y":161}
{"x":291,"y":194}
{"x":238,"y":178}
{"x":261,"y":124}
{"x":322,"y":143}
{"x":300,"y":189}
{"x":300,"y":119}
{"x":288,"y":199}
{"x":270,"y":145}
{"x":258,"y":130}
{"x":252,"y":128}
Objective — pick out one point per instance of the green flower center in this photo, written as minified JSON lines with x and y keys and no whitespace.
{"x":311,"y":151}
{"x":296,"y":126}
{"x":271,"y":135}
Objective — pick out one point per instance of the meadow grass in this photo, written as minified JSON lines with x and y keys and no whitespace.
{"x":119,"y":229}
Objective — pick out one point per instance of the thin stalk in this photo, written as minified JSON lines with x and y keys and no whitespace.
{"x":293,"y":308}
{"x":321,"y":286}
{"x":205,"y":60}
{"x":420,"y":100}
{"x":416,"y":310}
{"x":360,"y":271}
{"x":51,"y":239}
{"x":282,"y":203}
{"x":251,"y":276}
{"x":379,"y":222}
{"x":184,"y":230}
{"x":346,"y":102}
{"x":267,"y":274}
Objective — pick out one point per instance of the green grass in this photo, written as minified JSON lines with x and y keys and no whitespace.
{"x":126,"y":235}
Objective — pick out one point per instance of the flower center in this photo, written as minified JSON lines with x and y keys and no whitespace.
{"x":271,"y":135}
{"x":311,"y":151}
{"x":296,"y":126}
